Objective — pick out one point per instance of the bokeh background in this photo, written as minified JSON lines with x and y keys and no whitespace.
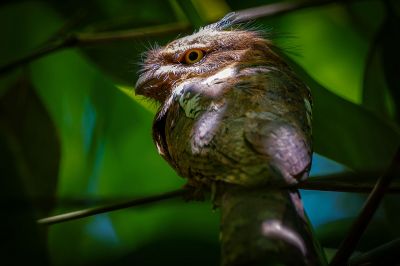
{"x":74,"y":135}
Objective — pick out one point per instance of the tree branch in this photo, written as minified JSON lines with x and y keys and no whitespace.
{"x":349,"y":244}
{"x":50,"y":48}
{"x":346,"y":182}
{"x":81,"y":39}
{"x":280,"y":8}
{"x":112,"y":207}
{"x":335,"y":182}
{"x":386,"y":254}
{"x":112,"y":36}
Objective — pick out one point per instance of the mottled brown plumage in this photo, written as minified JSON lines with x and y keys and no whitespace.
{"x":239,"y":118}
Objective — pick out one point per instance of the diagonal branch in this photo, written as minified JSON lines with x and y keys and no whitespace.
{"x":124,"y":35}
{"x":112,"y":207}
{"x":333,"y":182}
{"x":82,"y":39}
{"x":280,"y":8}
{"x":360,"y":224}
{"x":50,"y":48}
{"x":386,"y":254}
{"x":346,"y":182}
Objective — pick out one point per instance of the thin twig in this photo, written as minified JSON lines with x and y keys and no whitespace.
{"x":50,"y":48}
{"x":328,"y":183}
{"x":386,"y":254}
{"x":72,"y":22}
{"x":112,"y":36}
{"x":349,"y":244}
{"x":113,"y":207}
{"x":83,"y":39}
{"x":346,"y":182}
{"x":280,"y":8}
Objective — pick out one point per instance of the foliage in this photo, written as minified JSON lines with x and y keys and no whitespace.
{"x":73,"y":134}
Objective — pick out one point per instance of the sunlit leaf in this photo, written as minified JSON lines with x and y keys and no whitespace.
{"x":212,"y":10}
{"x":151,"y":106}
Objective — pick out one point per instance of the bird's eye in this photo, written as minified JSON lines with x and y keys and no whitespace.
{"x":192,"y":56}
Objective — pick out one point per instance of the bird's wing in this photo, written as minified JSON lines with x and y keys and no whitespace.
{"x":283,"y":145}
{"x":280,"y":131}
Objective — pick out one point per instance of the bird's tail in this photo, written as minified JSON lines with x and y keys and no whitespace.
{"x":266,"y":226}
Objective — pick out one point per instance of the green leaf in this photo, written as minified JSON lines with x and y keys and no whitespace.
{"x":24,"y":242}
{"x":348,"y":133}
{"x":332,"y":234}
{"x":33,"y":137}
{"x":191,"y":12}
{"x":381,"y":82}
{"x":176,"y":250}
{"x":108,"y":152}
{"x":391,"y":57}
{"x":30,"y":155}
{"x":120,"y":60}
{"x":26,"y":25}
{"x":375,"y":90}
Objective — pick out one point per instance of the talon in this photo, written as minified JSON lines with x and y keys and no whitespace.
{"x":195,"y":191}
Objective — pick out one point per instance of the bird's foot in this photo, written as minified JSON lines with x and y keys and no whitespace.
{"x":195,"y":191}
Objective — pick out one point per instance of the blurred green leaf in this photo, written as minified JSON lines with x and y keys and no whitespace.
{"x":327,"y":47}
{"x":120,"y":59}
{"x":30,"y":156}
{"x":348,"y":133}
{"x":375,"y":91}
{"x":359,"y":14}
{"x":34,"y":139}
{"x":191,"y":12}
{"x":211,"y":10}
{"x":151,"y":106}
{"x":390,"y":206}
{"x":332,"y":234}
{"x":391,"y":57}
{"x":27,"y":25}
{"x":108,"y":152}
{"x":107,"y":149}
{"x":381,"y":81}
{"x":386,"y":254}
{"x":24,"y":242}
{"x":180,"y":250}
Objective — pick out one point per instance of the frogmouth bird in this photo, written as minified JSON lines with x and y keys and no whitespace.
{"x":234,"y":117}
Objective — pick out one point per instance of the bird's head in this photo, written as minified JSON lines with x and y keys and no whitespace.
{"x":214,"y":48}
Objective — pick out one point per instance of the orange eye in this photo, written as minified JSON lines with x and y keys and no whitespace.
{"x":193,"y":56}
